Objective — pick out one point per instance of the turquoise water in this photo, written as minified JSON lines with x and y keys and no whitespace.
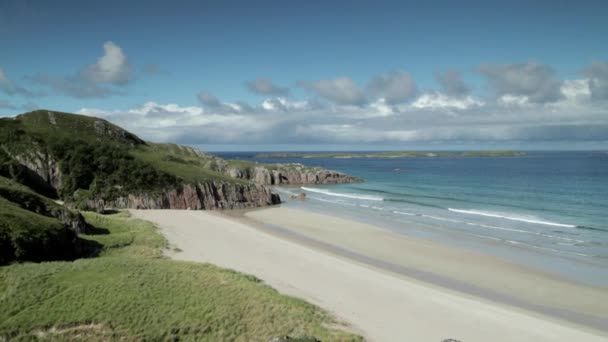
{"x":547,"y":209}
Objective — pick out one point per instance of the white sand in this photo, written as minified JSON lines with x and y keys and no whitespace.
{"x":381,"y":305}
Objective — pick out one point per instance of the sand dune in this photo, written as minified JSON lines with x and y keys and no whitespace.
{"x":381,"y":305}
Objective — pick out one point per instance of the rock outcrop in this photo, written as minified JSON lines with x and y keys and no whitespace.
{"x":210,"y":196}
{"x":284,"y":174}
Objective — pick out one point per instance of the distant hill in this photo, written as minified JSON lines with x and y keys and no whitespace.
{"x":395,"y":154}
{"x":91,"y":163}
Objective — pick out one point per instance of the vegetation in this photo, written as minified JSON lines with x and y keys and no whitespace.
{"x":397,"y":154}
{"x":131,"y":292}
{"x":186,"y":163}
{"x":30,"y":229}
{"x":25,"y":235}
{"x":103,"y":168}
{"x":96,"y":159}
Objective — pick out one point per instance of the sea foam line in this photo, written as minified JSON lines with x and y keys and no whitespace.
{"x":481,"y":213}
{"x":335,"y":202}
{"x":492,"y":227}
{"x":354,"y":196}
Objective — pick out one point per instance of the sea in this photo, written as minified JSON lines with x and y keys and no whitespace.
{"x":545,"y":210}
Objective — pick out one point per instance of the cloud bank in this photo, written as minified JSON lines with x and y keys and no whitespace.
{"x":391,"y":110}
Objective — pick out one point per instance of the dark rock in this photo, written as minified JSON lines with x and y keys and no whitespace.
{"x":282,"y":174}
{"x":209,"y":195}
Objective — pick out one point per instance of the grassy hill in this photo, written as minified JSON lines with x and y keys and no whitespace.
{"x":78,"y":158}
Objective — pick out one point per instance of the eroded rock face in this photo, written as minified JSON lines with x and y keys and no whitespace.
{"x":210,"y":196}
{"x":283,"y":174}
{"x":43,"y":170}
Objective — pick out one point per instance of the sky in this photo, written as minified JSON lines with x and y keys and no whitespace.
{"x":317,"y":75}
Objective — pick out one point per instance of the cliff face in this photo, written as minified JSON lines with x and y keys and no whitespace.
{"x":210,"y":196}
{"x":283,"y":174}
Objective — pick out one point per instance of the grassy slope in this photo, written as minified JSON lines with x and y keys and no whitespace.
{"x":132,"y":292}
{"x":26,"y":231}
{"x":25,"y":235}
{"x":177,"y":160}
{"x":396,"y":154}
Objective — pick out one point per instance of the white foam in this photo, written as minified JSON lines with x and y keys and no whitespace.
{"x":492,"y":227}
{"x":354,"y":196}
{"x":521,"y":219}
{"x":402,"y":213}
{"x":335,"y":202}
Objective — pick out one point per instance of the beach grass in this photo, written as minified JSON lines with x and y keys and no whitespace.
{"x":130,"y":291}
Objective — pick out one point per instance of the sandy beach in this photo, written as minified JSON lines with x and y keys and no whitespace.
{"x":385,"y":286}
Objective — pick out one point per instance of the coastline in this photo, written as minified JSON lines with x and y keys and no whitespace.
{"x":330,"y":262}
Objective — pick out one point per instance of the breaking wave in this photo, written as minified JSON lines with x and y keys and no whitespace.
{"x":336,"y":194}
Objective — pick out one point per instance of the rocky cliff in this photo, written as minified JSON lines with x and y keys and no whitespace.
{"x":284,"y":174}
{"x":210,"y":196}
{"x":203,"y":195}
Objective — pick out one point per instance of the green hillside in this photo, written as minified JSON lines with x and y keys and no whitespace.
{"x":34,"y":228}
{"x":95,"y":158}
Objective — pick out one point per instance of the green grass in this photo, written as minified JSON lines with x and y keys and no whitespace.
{"x":131,"y":292}
{"x":182,"y":162}
{"x":57,"y":125}
{"x":30,"y":226}
{"x":393,"y":154}
{"x":25,"y":235}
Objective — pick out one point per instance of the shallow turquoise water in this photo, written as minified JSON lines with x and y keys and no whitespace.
{"x":547,"y":209}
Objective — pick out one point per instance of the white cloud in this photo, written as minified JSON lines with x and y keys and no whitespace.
{"x":394,"y":87}
{"x":102,"y":79}
{"x":578,"y":89}
{"x":436,"y":100}
{"x":112,"y":67}
{"x":523,"y":111}
{"x":282,"y":104}
{"x":537,"y":82}
{"x":264,"y":86}
{"x":342,"y":90}
{"x":513,"y":100}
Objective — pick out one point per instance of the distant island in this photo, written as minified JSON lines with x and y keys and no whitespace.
{"x":395,"y":154}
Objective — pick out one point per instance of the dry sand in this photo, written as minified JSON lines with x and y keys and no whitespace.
{"x":382,"y":305}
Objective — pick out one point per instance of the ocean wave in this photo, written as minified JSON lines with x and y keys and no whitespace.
{"x":492,"y":227}
{"x":353,"y":196}
{"x":335,"y":202}
{"x":513,"y":242}
{"x":512,"y":218}
{"x":398,"y":200}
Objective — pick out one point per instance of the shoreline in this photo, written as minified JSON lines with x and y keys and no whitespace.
{"x":341,"y":282}
{"x":454,"y":268}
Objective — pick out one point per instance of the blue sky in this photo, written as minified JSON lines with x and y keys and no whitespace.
{"x":321,"y":59}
